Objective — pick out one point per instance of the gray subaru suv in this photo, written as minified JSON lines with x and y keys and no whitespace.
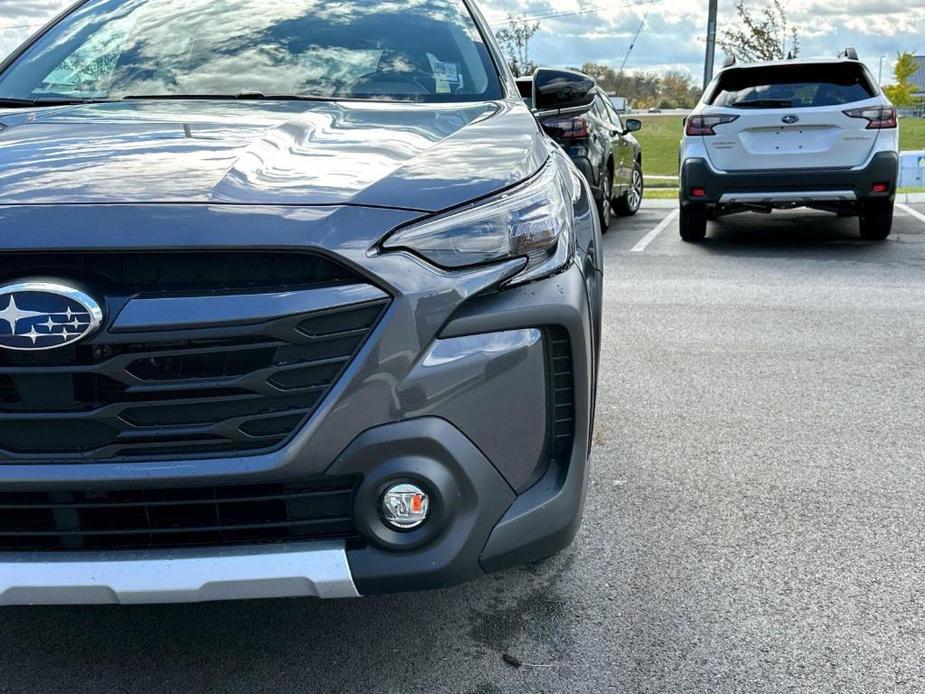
{"x":296,"y":299}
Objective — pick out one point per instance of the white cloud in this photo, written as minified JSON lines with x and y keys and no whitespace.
{"x":20,"y":18}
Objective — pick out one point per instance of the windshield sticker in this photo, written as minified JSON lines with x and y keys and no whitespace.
{"x":447,"y":72}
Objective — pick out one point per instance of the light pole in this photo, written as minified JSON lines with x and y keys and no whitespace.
{"x":711,"y":44}
{"x":880,"y":76}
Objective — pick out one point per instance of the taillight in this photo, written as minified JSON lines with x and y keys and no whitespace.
{"x":568,"y":128}
{"x":877,"y":117}
{"x":703,"y":125}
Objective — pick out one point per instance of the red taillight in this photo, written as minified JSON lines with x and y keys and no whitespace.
{"x":698,"y":193}
{"x":880,"y":188}
{"x":567,"y":128}
{"x":702,"y":126}
{"x":877,"y":117}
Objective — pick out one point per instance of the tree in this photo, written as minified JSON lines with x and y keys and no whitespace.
{"x":645,"y":89}
{"x":765,"y":36}
{"x":605,"y":76}
{"x":515,"y":41}
{"x":902,"y":94}
{"x":678,"y":91}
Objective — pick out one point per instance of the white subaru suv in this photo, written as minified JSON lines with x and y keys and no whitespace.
{"x":788,"y":134}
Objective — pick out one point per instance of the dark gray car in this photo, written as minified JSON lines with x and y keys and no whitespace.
{"x":601,"y":144}
{"x":295,"y":299}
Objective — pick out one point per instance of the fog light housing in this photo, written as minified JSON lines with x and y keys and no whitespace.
{"x":404,"y":506}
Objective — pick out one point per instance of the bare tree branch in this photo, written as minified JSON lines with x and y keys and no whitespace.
{"x":765,"y":36}
{"x":515,"y":40}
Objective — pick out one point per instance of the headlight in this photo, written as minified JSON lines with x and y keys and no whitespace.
{"x":533,"y":221}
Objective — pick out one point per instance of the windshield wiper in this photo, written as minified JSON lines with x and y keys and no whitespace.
{"x":763,"y":103}
{"x":40,"y":103}
{"x":240,"y":96}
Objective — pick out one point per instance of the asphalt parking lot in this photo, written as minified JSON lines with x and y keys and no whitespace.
{"x":754,"y":524}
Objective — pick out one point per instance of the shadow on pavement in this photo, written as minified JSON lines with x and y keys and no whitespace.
{"x":791,"y":234}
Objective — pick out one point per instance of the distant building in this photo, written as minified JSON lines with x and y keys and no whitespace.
{"x":620,"y":103}
{"x":919,"y":80}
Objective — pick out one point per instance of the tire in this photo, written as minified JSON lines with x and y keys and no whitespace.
{"x":876,"y":220}
{"x":693,"y":223}
{"x":604,"y":205}
{"x":631,"y":200}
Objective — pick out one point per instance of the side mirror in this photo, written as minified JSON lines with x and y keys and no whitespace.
{"x":562,"y":90}
{"x":632,"y":125}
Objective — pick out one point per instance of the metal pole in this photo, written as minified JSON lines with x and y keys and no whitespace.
{"x":711,"y":43}
{"x":880,"y":76}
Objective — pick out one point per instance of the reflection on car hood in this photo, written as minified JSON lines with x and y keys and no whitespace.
{"x":419,"y":157}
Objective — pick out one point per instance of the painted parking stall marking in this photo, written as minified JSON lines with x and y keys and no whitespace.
{"x":911,"y":212}
{"x":652,"y":235}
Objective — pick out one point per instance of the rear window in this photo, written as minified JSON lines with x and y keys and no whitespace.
{"x":793,"y":86}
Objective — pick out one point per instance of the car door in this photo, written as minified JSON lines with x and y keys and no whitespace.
{"x":601,"y":138}
{"x":624,"y":150}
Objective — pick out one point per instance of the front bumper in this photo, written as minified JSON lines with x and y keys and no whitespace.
{"x":317,"y":569}
{"x":783,"y":188}
{"x":451,"y":387}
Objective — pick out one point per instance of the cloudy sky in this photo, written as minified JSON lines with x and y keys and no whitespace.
{"x":673,"y":37}
{"x":601,"y":30}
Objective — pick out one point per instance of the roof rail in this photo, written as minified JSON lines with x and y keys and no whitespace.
{"x":729,"y":61}
{"x":849,"y":53}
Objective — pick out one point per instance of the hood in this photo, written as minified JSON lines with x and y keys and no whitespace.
{"x":416,"y":157}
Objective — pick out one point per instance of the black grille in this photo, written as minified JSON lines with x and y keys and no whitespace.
{"x":561,"y":380}
{"x":132,"y":273}
{"x":190,"y":398}
{"x":151,"y":518}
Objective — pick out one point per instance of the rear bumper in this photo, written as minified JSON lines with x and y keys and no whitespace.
{"x":305,"y":569}
{"x":583,"y":164}
{"x":789,"y":188}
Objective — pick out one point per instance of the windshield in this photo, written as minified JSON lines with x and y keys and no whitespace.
{"x":793,"y":86}
{"x":419,"y":50}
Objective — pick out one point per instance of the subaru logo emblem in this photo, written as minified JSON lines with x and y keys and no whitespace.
{"x":791,"y":119}
{"x":36,"y":316}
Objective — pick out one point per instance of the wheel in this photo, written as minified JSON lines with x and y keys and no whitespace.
{"x":693,"y":223}
{"x":630,"y":201}
{"x":876,"y":220}
{"x":604,"y":207}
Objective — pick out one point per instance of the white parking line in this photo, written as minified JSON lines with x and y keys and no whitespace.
{"x":912,"y":213}
{"x":650,"y":237}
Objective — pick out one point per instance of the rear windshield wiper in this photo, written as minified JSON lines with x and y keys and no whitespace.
{"x":763,"y":103}
{"x":240,"y":96}
{"x":40,"y":103}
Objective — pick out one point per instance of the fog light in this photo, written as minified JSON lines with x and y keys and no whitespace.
{"x":404,"y":506}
